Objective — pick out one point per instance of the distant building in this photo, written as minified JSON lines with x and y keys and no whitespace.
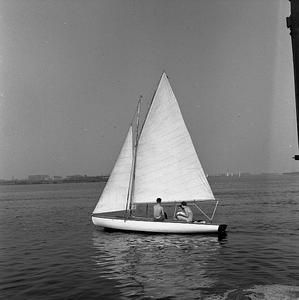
{"x":74,"y":177}
{"x":244,"y":174}
{"x":38,"y":177}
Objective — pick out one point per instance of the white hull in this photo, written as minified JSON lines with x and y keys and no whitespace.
{"x":156,"y":227}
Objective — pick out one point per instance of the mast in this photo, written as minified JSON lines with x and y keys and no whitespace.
{"x":293,"y":25}
{"x":131,"y":187}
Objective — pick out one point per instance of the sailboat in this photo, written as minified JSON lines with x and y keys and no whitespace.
{"x":157,"y":161}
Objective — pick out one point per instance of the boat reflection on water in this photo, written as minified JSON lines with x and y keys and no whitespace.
{"x":157,"y":265}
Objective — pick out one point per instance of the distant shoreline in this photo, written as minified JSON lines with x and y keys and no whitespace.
{"x":53,"y":181}
{"x":105,"y":178}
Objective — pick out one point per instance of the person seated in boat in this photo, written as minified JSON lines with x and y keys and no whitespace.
{"x":186,"y":214}
{"x":180,"y":211}
{"x":159,"y":214}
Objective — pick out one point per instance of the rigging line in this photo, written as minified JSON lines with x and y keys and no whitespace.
{"x":210,"y":218}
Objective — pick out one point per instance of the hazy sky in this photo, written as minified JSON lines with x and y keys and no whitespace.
{"x":72,"y":72}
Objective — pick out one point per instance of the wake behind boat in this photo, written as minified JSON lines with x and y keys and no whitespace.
{"x":160,"y":161}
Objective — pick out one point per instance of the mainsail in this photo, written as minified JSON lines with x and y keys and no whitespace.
{"x":114,"y":195}
{"x":167,"y":165}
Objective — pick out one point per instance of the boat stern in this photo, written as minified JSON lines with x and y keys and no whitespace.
{"x":222,"y":228}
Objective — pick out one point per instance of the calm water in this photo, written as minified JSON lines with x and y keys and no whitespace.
{"x":49,"y":248}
